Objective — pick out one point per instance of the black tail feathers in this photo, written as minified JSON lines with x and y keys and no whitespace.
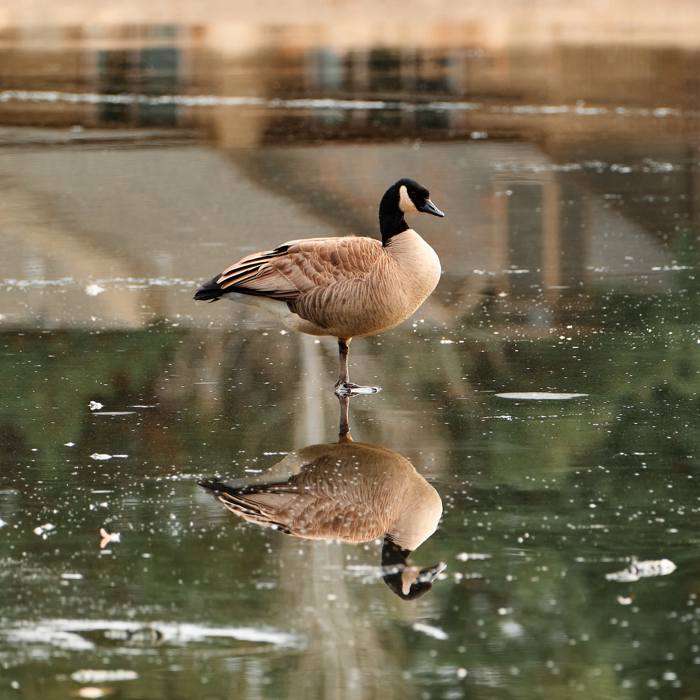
{"x":210,"y":291}
{"x":212,"y":485}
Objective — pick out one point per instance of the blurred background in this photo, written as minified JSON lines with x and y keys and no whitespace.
{"x":145,"y":146}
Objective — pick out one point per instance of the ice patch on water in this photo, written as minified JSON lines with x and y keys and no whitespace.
{"x":43,"y":634}
{"x":670,"y":268}
{"x":63,"y":281}
{"x":103,"y":675}
{"x":101,"y":284}
{"x":93,"y":290}
{"x":642,"y":569}
{"x":115,"y":413}
{"x":580,"y":109}
{"x":538,"y":396}
{"x":66,"y":634}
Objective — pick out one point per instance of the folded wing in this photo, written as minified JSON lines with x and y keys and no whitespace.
{"x":300,"y":511}
{"x":295,"y":267}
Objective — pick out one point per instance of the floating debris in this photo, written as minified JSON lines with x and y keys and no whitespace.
{"x":108,"y":537}
{"x":624,"y":599}
{"x":69,"y":576}
{"x":642,"y":569}
{"x":538,"y":396}
{"x":103,"y":456}
{"x":95,"y":405}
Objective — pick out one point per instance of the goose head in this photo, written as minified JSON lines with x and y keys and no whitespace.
{"x":408,"y":582}
{"x":405,"y":196}
{"x":413,"y":197}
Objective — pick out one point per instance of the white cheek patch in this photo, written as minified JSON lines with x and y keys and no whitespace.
{"x":405,"y":203}
{"x":408,"y":577}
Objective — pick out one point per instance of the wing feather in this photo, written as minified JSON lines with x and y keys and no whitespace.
{"x":296,"y":267}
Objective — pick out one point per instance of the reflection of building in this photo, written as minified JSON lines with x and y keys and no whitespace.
{"x":169,"y":214}
{"x":548,"y":209}
{"x":250,"y":60}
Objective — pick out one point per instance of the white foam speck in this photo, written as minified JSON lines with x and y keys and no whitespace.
{"x":429,"y":630}
{"x":43,"y":530}
{"x":472,"y":556}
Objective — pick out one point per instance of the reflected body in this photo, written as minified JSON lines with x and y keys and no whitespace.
{"x":349,"y":491}
{"x":343,"y":287}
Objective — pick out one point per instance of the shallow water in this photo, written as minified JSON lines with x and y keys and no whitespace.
{"x":548,"y":390}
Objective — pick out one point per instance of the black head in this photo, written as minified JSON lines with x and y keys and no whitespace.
{"x":413,"y":197}
{"x":403,"y":197}
{"x":408,"y":582}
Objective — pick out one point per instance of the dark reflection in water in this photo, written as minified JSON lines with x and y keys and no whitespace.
{"x":348,"y":491}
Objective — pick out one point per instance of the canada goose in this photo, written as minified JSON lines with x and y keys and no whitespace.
{"x":349,"y":491}
{"x":344,"y":287}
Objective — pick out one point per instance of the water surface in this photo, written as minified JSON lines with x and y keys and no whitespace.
{"x":548,"y":390}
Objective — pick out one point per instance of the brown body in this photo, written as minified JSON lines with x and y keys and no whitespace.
{"x":346,"y":491}
{"x":343,"y":287}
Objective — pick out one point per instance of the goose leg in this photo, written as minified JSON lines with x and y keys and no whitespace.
{"x":343,"y":387}
{"x":344,"y":426}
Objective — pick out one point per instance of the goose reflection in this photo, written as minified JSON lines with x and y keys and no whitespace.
{"x":349,"y":491}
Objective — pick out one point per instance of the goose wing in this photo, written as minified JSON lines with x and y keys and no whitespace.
{"x":291,"y":269}
{"x":300,"y":512}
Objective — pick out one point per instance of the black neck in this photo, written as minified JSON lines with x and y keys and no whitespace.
{"x":391,"y":219}
{"x":393,"y":555}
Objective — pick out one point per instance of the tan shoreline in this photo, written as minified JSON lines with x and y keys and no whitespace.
{"x":239,"y":27}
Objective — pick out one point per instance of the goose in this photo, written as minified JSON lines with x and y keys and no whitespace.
{"x":350,"y":491}
{"x":348,"y":286}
